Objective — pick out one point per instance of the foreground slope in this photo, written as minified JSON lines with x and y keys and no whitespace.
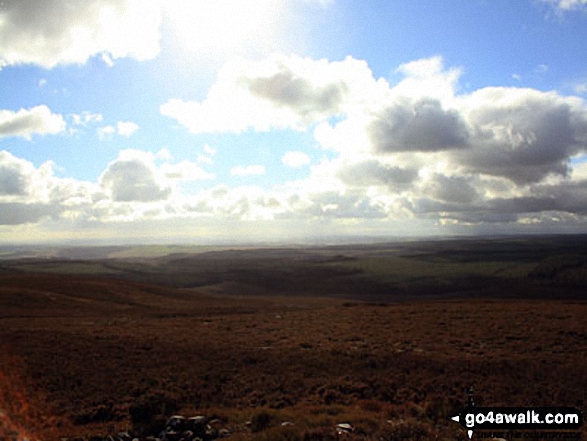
{"x":90,"y":353}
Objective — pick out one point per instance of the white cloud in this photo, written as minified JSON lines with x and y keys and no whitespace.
{"x":164,"y":154}
{"x":105,"y":132}
{"x":427,"y":78}
{"x":107,"y":59}
{"x":136,"y":177}
{"x":517,"y":77}
{"x":419,"y":148}
{"x":279,"y":92}
{"x":27,"y":122}
{"x":209,"y":150}
{"x":185,"y":171}
{"x":579,"y":171}
{"x":15,"y":175}
{"x":86,"y":117}
{"x":126,"y":128}
{"x":208,"y":155}
{"x":249,"y":170}
{"x":419,"y":152}
{"x":567,"y":5}
{"x":133,"y":176}
{"x":295,"y":159}
{"x":122,"y":128}
{"x":522,"y":134}
{"x":52,"y":32}
{"x":30,"y":194}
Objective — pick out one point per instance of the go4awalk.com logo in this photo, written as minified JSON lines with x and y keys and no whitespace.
{"x":518,"y":418}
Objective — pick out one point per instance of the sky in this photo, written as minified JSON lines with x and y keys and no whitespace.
{"x":224,"y":121}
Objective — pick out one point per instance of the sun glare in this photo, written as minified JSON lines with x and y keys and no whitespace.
{"x":224,"y":27}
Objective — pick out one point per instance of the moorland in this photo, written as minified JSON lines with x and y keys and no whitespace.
{"x":386,"y":337}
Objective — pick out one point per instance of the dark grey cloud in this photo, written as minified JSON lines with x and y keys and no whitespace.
{"x":15,"y":213}
{"x":52,"y":32}
{"x":299,"y":94}
{"x":567,"y":197}
{"x":14,"y":180}
{"x":423,"y":126}
{"x":133,"y":180}
{"x":453,"y":189}
{"x":372,"y":172}
{"x":525,"y":139}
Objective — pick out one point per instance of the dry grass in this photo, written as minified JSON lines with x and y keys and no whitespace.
{"x":87,"y":354}
{"x":389,"y":370}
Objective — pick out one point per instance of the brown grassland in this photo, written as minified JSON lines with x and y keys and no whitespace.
{"x":386,"y":337}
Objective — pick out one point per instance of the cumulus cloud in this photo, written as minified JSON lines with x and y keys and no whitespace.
{"x":133,"y":176}
{"x":122,"y":128}
{"x":522,"y":134}
{"x":105,"y":132}
{"x":15,"y":175}
{"x":286,"y":89}
{"x":30,"y":194}
{"x":126,"y":128}
{"x":331,"y":204}
{"x":427,"y":78}
{"x":138,"y":176}
{"x":452,"y":189}
{"x":420,"y":126}
{"x":496,"y":155}
{"x":16,"y":213}
{"x":52,"y":32}
{"x":417,"y":151}
{"x":372,"y":172}
{"x":249,"y":170}
{"x":27,"y":122}
{"x":279,"y":92}
{"x":295,"y":159}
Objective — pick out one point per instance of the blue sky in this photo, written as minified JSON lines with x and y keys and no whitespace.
{"x":280,"y":120}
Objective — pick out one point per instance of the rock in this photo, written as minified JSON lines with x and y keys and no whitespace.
{"x":188,"y":435}
{"x":211,"y":433}
{"x":198,"y":426}
{"x":223,"y":433}
{"x":216,"y":423}
{"x":176,"y":423}
{"x":172,"y":435}
{"x":124,"y":436}
{"x":344,"y":428}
